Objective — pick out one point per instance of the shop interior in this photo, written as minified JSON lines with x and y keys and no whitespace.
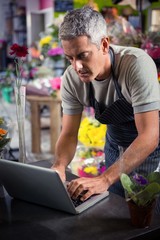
{"x":31,"y":136}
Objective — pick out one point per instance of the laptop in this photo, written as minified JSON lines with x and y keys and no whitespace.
{"x":41,"y":186}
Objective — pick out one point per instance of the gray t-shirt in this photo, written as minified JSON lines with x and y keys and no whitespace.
{"x":136,"y":74}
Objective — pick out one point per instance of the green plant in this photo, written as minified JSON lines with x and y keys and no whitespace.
{"x":6,"y":78}
{"x":142,"y":190}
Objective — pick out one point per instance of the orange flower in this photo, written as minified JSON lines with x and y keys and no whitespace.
{"x":2,"y":131}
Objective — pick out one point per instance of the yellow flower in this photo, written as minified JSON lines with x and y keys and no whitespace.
{"x":45,"y":40}
{"x":91,"y":169}
{"x":92,"y":132}
{"x":54,"y":45}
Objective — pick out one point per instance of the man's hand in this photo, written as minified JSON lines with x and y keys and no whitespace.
{"x":60,"y":172}
{"x":90,"y":186}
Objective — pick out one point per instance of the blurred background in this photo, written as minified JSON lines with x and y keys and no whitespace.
{"x":35,"y":24}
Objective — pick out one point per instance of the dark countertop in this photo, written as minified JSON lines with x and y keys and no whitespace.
{"x":108,"y":219}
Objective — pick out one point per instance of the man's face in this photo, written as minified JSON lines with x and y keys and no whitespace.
{"x":88,"y":61}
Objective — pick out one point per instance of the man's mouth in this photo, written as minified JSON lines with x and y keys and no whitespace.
{"x":83,"y":74}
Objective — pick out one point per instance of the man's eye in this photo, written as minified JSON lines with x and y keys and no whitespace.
{"x":83,"y":56}
{"x":69,"y":59}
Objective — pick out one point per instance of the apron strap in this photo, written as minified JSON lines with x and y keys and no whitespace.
{"x":118,"y":88}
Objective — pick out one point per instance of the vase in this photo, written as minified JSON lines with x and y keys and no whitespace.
{"x":141,"y":216}
{"x":20,"y":99}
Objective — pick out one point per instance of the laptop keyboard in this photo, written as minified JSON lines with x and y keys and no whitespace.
{"x":77,"y":201}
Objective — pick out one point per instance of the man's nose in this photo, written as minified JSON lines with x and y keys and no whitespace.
{"x":77,"y":64}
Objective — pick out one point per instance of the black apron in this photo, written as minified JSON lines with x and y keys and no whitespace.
{"x":121,"y":130}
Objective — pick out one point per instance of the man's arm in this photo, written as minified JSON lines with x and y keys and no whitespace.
{"x":147,"y":140}
{"x":67,"y":143}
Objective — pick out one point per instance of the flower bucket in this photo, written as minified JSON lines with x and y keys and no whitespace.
{"x":7,"y":94}
{"x":141,"y":216}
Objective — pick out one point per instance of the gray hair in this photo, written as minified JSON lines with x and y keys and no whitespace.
{"x":83,"y":22}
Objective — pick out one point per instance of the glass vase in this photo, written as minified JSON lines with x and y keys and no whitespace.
{"x":20,"y":99}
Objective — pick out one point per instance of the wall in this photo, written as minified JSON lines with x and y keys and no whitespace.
{"x":37,"y":19}
{"x":4,"y":15}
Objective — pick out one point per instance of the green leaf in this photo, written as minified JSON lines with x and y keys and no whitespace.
{"x":147,"y":195}
{"x":154,"y":177}
{"x":1,"y":121}
{"x":3,"y":142}
{"x":127,"y":183}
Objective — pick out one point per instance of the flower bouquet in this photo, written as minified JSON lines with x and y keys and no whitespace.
{"x":88,"y":162}
{"x":3,"y":136}
{"x":141,"y":193}
{"x":92,"y":133}
{"x":89,"y":158}
{"x":151,"y":45}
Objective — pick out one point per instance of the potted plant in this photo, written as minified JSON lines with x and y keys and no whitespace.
{"x":141,"y":193}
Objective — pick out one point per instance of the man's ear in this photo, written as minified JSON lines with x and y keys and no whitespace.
{"x":105,"y":45}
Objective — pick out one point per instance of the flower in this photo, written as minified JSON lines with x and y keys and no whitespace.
{"x":92,"y":132}
{"x":49,"y":47}
{"x":3,"y":134}
{"x":49,"y":44}
{"x":88,"y":162}
{"x":45,"y":41}
{"x":55,"y":86}
{"x":55,"y":53}
{"x":141,"y":190}
{"x":56,"y":83}
{"x":19,"y":53}
{"x":151,"y":44}
{"x":93,"y":165}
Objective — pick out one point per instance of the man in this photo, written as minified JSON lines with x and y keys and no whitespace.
{"x":121,"y":84}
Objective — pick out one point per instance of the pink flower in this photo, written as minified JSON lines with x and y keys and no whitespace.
{"x":55,"y":51}
{"x":154,"y":52}
{"x":55,"y":83}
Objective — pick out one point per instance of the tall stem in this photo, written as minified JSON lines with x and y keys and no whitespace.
{"x":20,"y":97}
